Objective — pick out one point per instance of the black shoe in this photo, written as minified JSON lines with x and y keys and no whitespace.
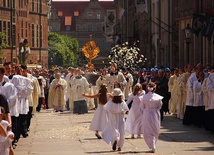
{"x":14,"y":146}
{"x":98,"y":136}
{"x":25,"y":135}
{"x":114,"y":146}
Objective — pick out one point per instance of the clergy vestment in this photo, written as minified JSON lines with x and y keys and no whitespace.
{"x":198,"y":106}
{"x":209,"y":121}
{"x":188,"y":117}
{"x":173,"y":88}
{"x":57,"y":94}
{"x":80,"y":86}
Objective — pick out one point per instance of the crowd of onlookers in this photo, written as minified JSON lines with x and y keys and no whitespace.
{"x":187,"y":92}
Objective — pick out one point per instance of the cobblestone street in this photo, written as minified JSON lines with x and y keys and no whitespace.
{"x":67,"y":134}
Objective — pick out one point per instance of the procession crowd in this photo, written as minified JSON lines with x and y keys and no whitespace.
{"x":146,"y":95}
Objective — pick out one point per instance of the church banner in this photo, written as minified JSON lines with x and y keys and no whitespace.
{"x":197,"y":23}
{"x":111,"y":18}
{"x":208,"y":27}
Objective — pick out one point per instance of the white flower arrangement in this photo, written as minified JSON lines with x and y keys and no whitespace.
{"x":126,"y":56}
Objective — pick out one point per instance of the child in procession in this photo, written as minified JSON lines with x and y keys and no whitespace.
{"x":114,"y":131}
{"x":134,"y":119}
{"x":151,"y":104}
{"x":100,"y":116}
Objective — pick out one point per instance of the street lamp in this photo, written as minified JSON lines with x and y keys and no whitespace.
{"x":188,"y":31}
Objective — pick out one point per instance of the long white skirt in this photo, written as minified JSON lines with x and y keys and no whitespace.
{"x":114,"y":130}
{"x":134,"y":121}
{"x":99,"y":120}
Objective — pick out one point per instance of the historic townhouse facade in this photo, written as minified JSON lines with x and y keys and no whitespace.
{"x":161,"y":31}
{"x":81,"y":20}
{"x":25,"y":23}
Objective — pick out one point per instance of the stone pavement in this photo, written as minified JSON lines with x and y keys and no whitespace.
{"x":64,"y":133}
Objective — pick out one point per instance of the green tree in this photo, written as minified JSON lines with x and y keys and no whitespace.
{"x":63,"y":50}
{"x":3,"y":43}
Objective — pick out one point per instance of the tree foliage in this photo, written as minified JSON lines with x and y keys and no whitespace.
{"x":3,"y":43}
{"x":63,"y":50}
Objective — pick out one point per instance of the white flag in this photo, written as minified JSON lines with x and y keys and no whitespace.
{"x":142,"y":5}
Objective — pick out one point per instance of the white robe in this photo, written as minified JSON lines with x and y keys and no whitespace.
{"x":134,"y":121}
{"x":151,"y":104}
{"x":36,"y":92}
{"x":114,"y":129}
{"x":206,"y":94}
{"x":10,"y":92}
{"x":111,"y":79}
{"x":190,"y":96}
{"x":198,"y":94}
{"x":24,"y":89}
{"x":128,"y":87}
{"x":83,"y":88}
{"x":210,"y":89}
{"x":101,"y":80}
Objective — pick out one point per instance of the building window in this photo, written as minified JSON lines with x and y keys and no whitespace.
{"x":32,"y":5}
{"x":4,"y":3}
{"x":41,"y":36}
{"x":8,"y":3}
{"x":98,"y":16}
{"x":21,"y":4}
{"x":9,"y":33}
{"x":60,"y":13}
{"x":22,"y":29}
{"x":90,"y":16}
{"x":76,"y":13}
{"x":4,"y":26}
{"x":68,"y":28}
{"x":13,"y":5}
{"x":13,"y":34}
{"x":37,"y":6}
{"x":33,"y":37}
{"x":26,"y":34}
{"x":98,"y":27}
{"x":90,"y":27}
{"x":37,"y":35}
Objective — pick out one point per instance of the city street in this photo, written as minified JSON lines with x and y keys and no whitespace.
{"x":64,"y":133}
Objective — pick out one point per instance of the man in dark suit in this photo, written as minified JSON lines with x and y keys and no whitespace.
{"x":162,"y":89}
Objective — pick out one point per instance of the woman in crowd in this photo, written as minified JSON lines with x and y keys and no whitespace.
{"x":134,"y":120}
{"x":114,"y":131}
{"x":100,"y":116}
{"x":151,"y":104}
